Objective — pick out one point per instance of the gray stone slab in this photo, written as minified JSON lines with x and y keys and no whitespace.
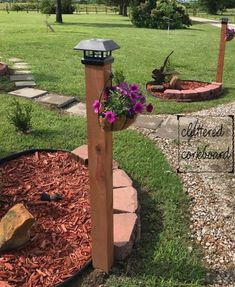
{"x":28,"y":93}
{"x":77,"y":109}
{"x":15,"y":60}
{"x":169,"y":127}
{"x":21,"y":72}
{"x":22,"y":84}
{"x":56,"y":100}
{"x":20,"y":66}
{"x":15,"y":78}
{"x":148,"y":122}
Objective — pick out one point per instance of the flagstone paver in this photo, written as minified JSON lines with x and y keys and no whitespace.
{"x":56,"y":100}
{"x":15,"y":78}
{"x":20,"y":66}
{"x":21,"y":72}
{"x":15,"y":60}
{"x":78,"y":109}
{"x":22,"y":84}
{"x":148,"y":122}
{"x":29,"y":93}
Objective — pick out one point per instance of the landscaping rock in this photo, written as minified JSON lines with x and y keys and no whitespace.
{"x":124,"y":234}
{"x":15,"y":227}
{"x":57,"y":100}
{"x":28,"y":93}
{"x":125,"y":200}
{"x":121,"y":179}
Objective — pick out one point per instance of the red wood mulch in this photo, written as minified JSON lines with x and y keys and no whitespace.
{"x":60,"y":242}
{"x":185,"y":85}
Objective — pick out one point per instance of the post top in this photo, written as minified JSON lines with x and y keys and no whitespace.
{"x":224,"y":20}
{"x":103,"y":45}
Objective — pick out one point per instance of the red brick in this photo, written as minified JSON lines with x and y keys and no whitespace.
{"x":81,"y":154}
{"x":125,"y":199}
{"x":120,"y":178}
{"x":4,"y":284}
{"x":217,"y":84}
{"x":124,"y":234}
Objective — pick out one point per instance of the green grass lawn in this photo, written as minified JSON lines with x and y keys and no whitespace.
{"x":162,"y":258}
{"x":57,"y":66}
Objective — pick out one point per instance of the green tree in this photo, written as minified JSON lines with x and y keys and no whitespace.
{"x":213,"y":6}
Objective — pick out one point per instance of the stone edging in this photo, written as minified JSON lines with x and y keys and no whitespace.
{"x":210,"y":91}
{"x":3,"y":68}
{"x":125,"y":206}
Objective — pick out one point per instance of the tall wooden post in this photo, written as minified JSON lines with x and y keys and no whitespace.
{"x":98,"y":60}
{"x":220,"y":66}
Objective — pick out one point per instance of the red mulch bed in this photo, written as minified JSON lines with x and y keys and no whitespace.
{"x":185,"y":85}
{"x":60,"y":242}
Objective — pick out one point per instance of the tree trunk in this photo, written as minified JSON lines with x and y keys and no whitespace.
{"x":59,"y":12}
{"x":121,"y":4}
{"x":124,"y":9}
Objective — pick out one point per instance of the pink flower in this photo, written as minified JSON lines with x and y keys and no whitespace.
{"x":96,"y":106}
{"x":149,"y":108}
{"x":110,"y":116}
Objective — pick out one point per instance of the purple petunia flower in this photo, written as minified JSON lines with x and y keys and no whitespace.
{"x":134,"y":88}
{"x":139,"y":107}
{"x":96,"y":106}
{"x":123,"y":86}
{"x":110,"y":116}
{"x":149,"y":108}
{"x":133,"y":96}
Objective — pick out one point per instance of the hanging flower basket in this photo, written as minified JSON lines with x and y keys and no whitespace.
{"x":121,"y":123}
{"x":120,"y":106}
{"x":230,"y":33}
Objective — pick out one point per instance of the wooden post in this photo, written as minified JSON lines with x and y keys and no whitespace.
{"x":100,"y":171}
{"x":98,"y":68}
{"x":220,"y":66}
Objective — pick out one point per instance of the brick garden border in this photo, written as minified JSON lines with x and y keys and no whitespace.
{"x":125,"y":206}
{"x":210,"y":91}
{"x":3,"y":68}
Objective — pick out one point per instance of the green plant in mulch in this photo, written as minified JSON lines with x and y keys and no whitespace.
{"x":20,"y":116}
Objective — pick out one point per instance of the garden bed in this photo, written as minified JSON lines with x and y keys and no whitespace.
{"x":190,"y":91}
{"x":60,"y":242}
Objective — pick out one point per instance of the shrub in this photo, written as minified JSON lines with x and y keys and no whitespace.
{"x":20,"y":116}
{"x":151,"y":15}
{"x":49,"y":7}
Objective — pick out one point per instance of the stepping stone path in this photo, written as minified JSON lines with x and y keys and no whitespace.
{"x":23,"y":79}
